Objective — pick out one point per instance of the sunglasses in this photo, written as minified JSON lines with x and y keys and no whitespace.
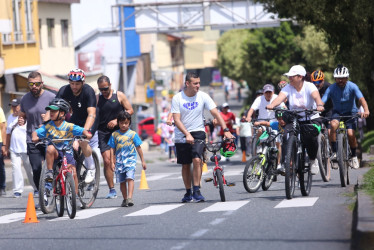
{"x":37,"y":84}
{"x":317,"y":82}
{"x":104,"y":89}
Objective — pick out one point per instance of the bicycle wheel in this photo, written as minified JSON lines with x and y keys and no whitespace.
{"x":87,"y":192}
{"x":70,"y":197}
{"x":323,"y":158}
{"x":46,"y":199}
{"x":253,"y":174}
{"x":270,"y":173}
{"x":305,"y":176}
{"x":341,"y":155}
{"x":220,"y":185}
{"x":60,"y":205}
{"x":290,"y":166}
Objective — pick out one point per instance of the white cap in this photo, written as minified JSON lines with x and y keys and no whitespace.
{"x":225,"y":105}
{"x":296,"y":70}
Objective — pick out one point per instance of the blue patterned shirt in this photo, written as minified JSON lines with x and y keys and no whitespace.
{"x":125,"y":149}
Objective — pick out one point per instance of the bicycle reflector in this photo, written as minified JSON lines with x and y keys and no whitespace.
{"x":228,"y":149}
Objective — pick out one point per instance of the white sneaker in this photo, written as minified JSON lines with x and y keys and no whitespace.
{"x":333,"y":156}
{"x":314,"y":166}
{"x":90,"y":176}
{"x":355,"y":164}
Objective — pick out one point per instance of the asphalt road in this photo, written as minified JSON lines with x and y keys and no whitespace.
{"x":264,"y":220}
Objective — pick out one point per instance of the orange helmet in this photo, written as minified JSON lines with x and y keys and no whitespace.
{"x":317,"y":77}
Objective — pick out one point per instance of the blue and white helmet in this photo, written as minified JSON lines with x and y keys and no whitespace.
{"x":341,"y":72}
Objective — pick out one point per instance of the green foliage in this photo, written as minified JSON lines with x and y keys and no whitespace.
{"x":349,"y":29}
{"x":368,"y":141}
{"x":368,"y":185}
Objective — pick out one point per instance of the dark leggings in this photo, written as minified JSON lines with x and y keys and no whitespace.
{"x":310,"y":142}
{"x":36,"y":157}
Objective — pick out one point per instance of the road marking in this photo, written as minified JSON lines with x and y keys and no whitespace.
{"x":224,"y":206}
{"x":9,"y":218}
{"x":217,"y":221}
{"x":155,"y":210}
{"x":157,"y":177}
{"x":297,"y":202}
{"x":199,"y":233}
{"x":87,"y":213}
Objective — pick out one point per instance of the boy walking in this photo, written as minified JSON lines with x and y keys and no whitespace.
{"x":123,"y":143}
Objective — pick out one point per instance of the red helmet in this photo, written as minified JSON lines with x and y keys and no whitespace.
{"x":228,"y":149}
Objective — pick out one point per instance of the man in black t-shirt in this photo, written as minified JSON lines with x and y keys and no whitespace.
{"x":82,"y":100}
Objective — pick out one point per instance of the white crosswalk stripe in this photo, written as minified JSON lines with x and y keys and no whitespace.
{"x":297,"y":202}
{"x":224,"y":206}
{"x":155,"y":210}
{"x":9,"y":218}
{"x":87,"y":213}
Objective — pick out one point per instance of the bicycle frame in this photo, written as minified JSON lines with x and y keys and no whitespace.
{"x":62,"y":171}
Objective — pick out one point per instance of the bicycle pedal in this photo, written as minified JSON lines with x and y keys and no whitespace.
{"x":208,"y":179}
{"x":230,"y":184}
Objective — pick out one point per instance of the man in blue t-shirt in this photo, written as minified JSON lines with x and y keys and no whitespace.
{"x":343,"y":95}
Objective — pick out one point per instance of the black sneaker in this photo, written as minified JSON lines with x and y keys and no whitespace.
{"x":124,"y":203}
{"x":197,"y":196}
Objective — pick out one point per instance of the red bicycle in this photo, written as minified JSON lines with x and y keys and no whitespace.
{"x":62,"y":186}
{"x":218,"y":179}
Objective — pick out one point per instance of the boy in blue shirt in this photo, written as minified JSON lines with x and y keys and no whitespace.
{"x":58,"y":128}
{"x":123,"y":144}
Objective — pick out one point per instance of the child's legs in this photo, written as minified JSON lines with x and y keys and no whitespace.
{"x":51,"y":156}
{"x":127,"y":177}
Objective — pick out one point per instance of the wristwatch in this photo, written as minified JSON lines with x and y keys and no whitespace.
{"x":226,"y":130}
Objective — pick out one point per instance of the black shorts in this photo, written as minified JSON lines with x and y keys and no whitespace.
{"x":104,"y":137}
{"x":186,"y":152}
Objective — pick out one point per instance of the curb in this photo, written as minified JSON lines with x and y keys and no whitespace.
{"x":363,"y":220}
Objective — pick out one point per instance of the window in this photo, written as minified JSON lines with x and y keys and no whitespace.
{"x":29,"y":28}
{"x":51,"y":32}
{"x":64,"y":33}
{"x":16,"y":21}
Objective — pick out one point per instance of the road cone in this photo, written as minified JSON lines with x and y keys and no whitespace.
{"x":143,"y":181}
{"x":205,"y":167}
{"x":30,"y":211}
{"x":244,"y":158}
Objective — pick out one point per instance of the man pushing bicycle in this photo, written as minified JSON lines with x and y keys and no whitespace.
{"x":343,"y":95}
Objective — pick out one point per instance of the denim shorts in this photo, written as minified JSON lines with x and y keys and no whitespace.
{"x":122,"y":177}
{"x":69,"y":157}
{"x":350,"y":124}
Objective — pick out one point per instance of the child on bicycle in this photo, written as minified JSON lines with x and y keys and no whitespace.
{"x":58,"y":128}
{"x":123,"y":143}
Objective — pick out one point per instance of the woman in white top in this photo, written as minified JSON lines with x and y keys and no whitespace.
{"x":302,"y":95}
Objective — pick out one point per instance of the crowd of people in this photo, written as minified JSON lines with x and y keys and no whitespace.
{"x":105,"y":119}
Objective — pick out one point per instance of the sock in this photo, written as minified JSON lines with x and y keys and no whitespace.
{"x":188,"y":190}
{"x":353,"y":151}
{"x":333,"y":146}
{"x":89,"y":162}
{"x":196,"y":188}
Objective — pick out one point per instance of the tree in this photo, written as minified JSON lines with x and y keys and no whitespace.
{"x":259,"y":56}
{"x":349,"y":28}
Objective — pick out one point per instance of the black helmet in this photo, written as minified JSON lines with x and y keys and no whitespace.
{"x":59,"y":104}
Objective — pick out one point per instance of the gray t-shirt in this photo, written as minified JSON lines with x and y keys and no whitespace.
{"x":191,"y":111}
{"x":34,"y":108}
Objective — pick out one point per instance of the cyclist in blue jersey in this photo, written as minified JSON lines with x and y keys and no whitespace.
{"x":343,"y":95}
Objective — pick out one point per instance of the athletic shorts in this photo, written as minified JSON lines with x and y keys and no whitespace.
{"x":104,"y":137}
{"x":351,"y":124}
{"x":186,"y":152}
{"x":122,"y":177}
{"x":69,"y":157}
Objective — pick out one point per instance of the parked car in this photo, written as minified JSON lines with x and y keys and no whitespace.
{"x":147,"y":125}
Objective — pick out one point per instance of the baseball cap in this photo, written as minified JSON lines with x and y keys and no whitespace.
{"x":15,"y":102}
{"x":225,"y":105}
{"x":296,"y":70}
{"x":268,"y":87}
